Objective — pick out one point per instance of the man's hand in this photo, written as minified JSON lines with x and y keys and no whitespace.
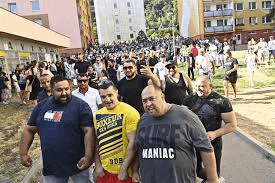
{"x":211,"y":135}
{"x":146,"y":71}
{"x":99,"y":171}
{"x":123,"y":174}
{"x":135,"y":177}
{"x":26,"y":160}
{"x":84,"y":163}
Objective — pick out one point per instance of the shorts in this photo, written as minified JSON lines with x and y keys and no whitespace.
{"x":232,"y":79}
{"x":81,"y":177}
{"x":109,"y":177}
{"x":271,"y":52}
{"x":261,"y":53}
{"x":22,"y":86}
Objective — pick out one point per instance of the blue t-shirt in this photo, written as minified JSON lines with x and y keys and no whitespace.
{"x":61,"y":134}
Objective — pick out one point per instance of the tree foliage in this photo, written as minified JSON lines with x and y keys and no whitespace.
{"x":161,"y":16}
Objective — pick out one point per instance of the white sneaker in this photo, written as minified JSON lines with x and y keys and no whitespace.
{"x":221,"y":180}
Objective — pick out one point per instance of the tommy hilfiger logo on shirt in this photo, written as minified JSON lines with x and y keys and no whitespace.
{"x":54,"y":116}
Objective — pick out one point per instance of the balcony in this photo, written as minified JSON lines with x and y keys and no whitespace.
{"x":226,"y":28}
{"x":218,"y":13}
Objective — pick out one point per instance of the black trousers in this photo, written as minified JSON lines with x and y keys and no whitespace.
{"x":217,"y":145}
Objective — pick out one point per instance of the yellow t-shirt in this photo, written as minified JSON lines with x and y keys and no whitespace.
{"x":112,"y":127}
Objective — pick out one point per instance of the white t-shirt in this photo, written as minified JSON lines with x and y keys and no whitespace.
{"x":160,"y":70}
{"x":91,"y":97}
{"x":271,"y":45}
{"x":120,"y":72}
{"x":262,"y":45}
{"x":204,"y":64}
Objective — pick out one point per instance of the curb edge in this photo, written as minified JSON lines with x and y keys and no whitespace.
{"x":262,"y":148}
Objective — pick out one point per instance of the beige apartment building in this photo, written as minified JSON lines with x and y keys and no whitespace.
{"x":22,"y":40}
{"x":225,"y":19}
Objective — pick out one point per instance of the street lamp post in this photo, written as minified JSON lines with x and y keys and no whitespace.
{"x":172,"y":27}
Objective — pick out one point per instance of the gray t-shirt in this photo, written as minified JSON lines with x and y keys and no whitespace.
{"x":166,"y":146}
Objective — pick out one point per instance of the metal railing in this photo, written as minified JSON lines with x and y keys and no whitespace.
{"x":219,"y":13}
{"x":226,"y":28}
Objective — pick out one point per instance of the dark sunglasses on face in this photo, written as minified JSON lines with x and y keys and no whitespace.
{"x":172,"y":67}
{"x":129,"y":67}
{"x":80,"y":81}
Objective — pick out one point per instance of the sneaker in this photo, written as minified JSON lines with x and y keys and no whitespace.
{"x":221,"y":180}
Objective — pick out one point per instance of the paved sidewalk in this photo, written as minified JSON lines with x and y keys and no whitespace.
{"x":241,"y":163}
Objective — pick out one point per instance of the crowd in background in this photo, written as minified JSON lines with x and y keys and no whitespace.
{"x":106,"y":62}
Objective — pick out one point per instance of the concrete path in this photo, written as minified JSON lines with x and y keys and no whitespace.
{"x":241,"y":163}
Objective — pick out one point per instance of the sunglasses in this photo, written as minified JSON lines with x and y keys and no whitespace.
{"x":129,"y":67}
{"x":84,"y":80}
{"x":171,"y":67}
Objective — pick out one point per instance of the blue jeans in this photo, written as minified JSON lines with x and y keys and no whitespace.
{"x":82,"y":177}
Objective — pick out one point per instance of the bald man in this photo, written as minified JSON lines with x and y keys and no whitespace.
{"x":212,"y":109}
{"x":45,"y":81}
{"x":166,"y":139}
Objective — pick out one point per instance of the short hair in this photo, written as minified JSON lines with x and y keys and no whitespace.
{"x":82,"y":75}
{"x":105,"y":84}
{"x":58,"y":78}
{"x":130,"y":61}
{"x":229,"y":53}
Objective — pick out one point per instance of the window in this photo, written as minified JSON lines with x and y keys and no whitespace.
{"x":118,"y":37}
{"x":253,"y":20}
{"x":131,"y":35}
{"x":115,"y":5}
{"x":221,"y":6}
{"x":129,"y":12}
{"x":252,"y":32}
{"x":239,"y":21}
{"x":266,"y":19}
{"x":265,"y":31}
{"x":12,"y":7}
{"x":225,"y":22}
{"x":35,"y":6}
{"x":10,"y":46}
{"x":219,"y":22}
{"x":22,"y":46}
{"x":39,"y":21}
{"x":238,"y":6}
{"x":130,"y":20}
{"x":208,"y":24}
{"x":117,"y":29}
{"x":117,"y":21}
{"x":207,"y":8}
{"x":266,"y":4}
{"x":32,"y":48}
{"x":131,"y":28}
{"x":129,"y":4}
{"x":252,"y":5}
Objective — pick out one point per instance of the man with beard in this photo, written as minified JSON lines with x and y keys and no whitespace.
{"x":212,"y":109}
{"x":131,"y":86}
{"x":86,"y":93}
{"x":45,"y":81}
{"x":64,"y":124}
{"x":166,"y":138}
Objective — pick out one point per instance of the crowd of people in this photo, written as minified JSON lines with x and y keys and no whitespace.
{"x":127,"y":113}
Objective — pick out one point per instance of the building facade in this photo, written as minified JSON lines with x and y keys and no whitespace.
{"x":225,"y":19}
{"x":69,"y":17}
{"x":22,"y":40}
{"x":119,"y":20}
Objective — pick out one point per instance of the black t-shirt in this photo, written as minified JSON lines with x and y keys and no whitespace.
{"x":229,"y":64}
{"x":166,"y":146}
{"x":130,"y":91}
{"x":112,"y":75}
{"x":175,"y":92}
{"x":81,"y":67}
{"x":209,"y":110}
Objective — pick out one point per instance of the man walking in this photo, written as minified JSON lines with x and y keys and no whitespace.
{"x":86,"y":93}
{"x":212,"y":109}
{"x":64,"y":124}
{"x":131,"y":86}
{"x":115,"y":126}
{"x":166,"y":139}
